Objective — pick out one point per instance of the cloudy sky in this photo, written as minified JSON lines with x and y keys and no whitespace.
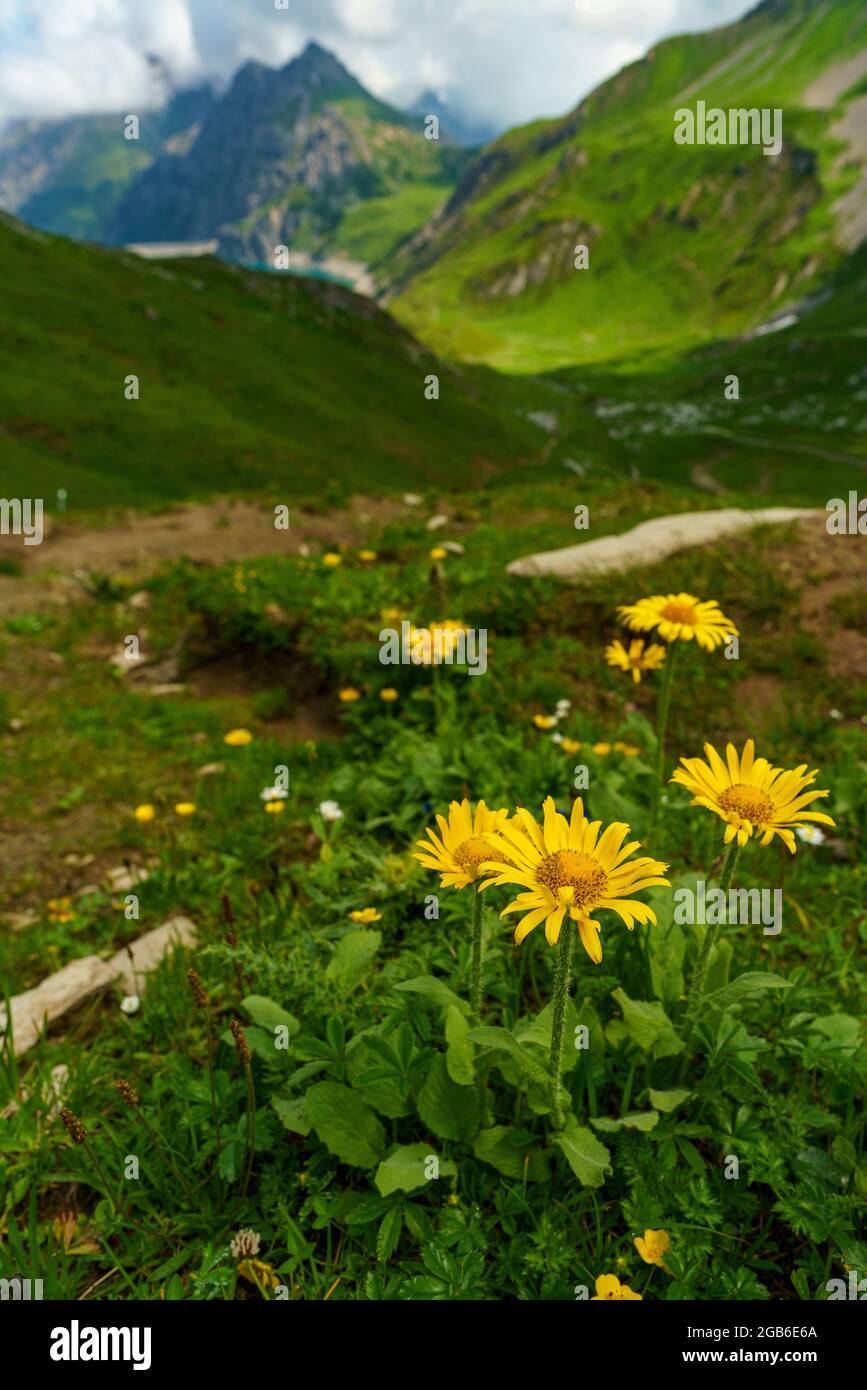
{"x":506,"y":61}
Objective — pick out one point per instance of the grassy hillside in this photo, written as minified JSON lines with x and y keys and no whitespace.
{"x":247,"y":383}
{"x":687,"y":243}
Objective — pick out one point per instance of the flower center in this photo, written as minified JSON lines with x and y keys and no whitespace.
{"x":748,"y":803}
{"x":471,"y":853}
{"x":680,"y":613}
{"x":571,"y":868}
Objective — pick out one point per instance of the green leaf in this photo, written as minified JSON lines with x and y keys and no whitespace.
{"x":352,"y":957}
{"x":380,"y":1085}
{"x":497,"y":1038}
{"x":746,"y":986}
{"x":388,"y":1234}
{"x":405,"y":1169}
{"x":434,"y":989}
{"x":345,"y":1123}
{"x":292,"y":1114}
{"x":668,"y":1100}
{"x":637,"y":1119}
{"x":459,"y":1053}
{"x":449,"y":1111}
{"x":269,"y":1015}
{"x":538,"y":1031}
{"x":648,"y":1025}
{"x":513,"y":1152}
{"x":842,"y":1029}
{"x":588,"y":1159}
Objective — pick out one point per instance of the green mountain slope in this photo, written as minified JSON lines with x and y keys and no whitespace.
{"x":303,"y":157}
{"x":248,"y":382}
{"x":687,"y":243}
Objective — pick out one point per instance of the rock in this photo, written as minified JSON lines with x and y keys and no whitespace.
{"x":141,"y":600}
{"x":210,"y":769}
{"x":126,"y":876}
{"x":651,"y":542}
{"x":434,"y":523}
{"x":165,"y":688}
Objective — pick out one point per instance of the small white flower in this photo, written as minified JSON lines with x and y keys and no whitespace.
{"x":245,"y":1244}
{"x":274,"y":794}
{"x":130,"y":1004}
{"x":412,"y":499}
{"x":563,"y":707}
{"x":556,"y":738}
{"x":810,"y":834}
{"x":835,"y":713}
{"x":329,"y":810}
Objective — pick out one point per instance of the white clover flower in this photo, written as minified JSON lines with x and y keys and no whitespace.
{"x":835,"y":713}
{"x":556,"y":738}
{"x":810,"y":834}
{"x":329,"y":811}
{"x":274,"y":794}
{"x":245,"y":1244}
{"x":130,"y":1004}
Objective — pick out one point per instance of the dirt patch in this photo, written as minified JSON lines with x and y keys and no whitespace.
{"x":830,"y":567}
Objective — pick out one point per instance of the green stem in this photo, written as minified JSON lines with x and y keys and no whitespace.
{"x":561,"y":993}
{"x":661,"y":725}
{"x":251,"y":1129}
{"x":476,"y":985}
{"x":711,"y":932}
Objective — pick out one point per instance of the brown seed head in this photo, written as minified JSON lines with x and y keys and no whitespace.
{"x":127,"y":1093}
{"x":228,"y":910}
{"x":77,"y":1132}
{"x":242,"y":1047}
{"x":198,"y":988}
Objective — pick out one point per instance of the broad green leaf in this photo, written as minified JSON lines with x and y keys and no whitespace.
{"x":668,"y":1100}
{"x":636,"y":1119}
{"x":269,"y":1015}
{"x":380,"y":1085}
{"x":538,"y":1030}
{"x":345,"y":1123}
{"x":388,"y":1234}
{"x":586,"y":1156}
{"x":513,"y":1152}
{"x":433,"y":988}
{"x":292,"y":1114}
{"x":410,"y":1167}
{"x":352,"y":957}
{"x":648,"y":1025}
{"x":498,"y":1039}
{"x":448,"y":1110}
{"x":460,"y":1052}
{"x":744,"y":987}
{"x":842,"y":1029}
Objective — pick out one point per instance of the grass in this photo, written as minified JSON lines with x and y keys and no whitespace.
{"x":352,"y":1212}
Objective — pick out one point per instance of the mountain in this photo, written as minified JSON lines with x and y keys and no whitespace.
{"x":454,"y":122}
{"x":303,"y":157}
{"x":68,"y":176}
{"x":687,"y":242}
{"x":247,"y":383}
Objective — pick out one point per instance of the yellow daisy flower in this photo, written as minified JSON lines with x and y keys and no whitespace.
{"x":367,"y":556}
{"x":275,"y":808}
{"x":571,"y":745}
{"x":680,"y":618}
{"x":366,"y":914}
{"x":389,"y":695}
{"x":185,"y":808}
{"x":652,"y":1247}
{"x":545,"y":721}
{"x":609,"y":1288}
{"x":259,"y":1273}
{"x":349,"y":695}
{"x":238,"y":738}
{"x":567,"y":866}
{"x":636,"y":658}
{"x":145,"y":813}
{"x":332,"y":560}
{"x":753,"y":797}
{"x":627,"y":749}
{"x":601,"y":749}
{"x":59,"y":910}
{"x":438,"y":553}
{"x":464,"y":843}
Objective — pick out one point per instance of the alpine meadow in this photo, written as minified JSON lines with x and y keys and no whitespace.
{"x":433,"y":558}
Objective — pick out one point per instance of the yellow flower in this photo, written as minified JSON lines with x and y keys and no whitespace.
{"x":753,"y":797}
{"x":389,"y":695}
{"x":609,"y":1287}
{"x":636,"y":658}
{"x":258,"y":1272}
{"x":349,"y":695}
{"x":366,"y":914}
{"x":368,"y":556}
{"x":144,"y":813}
{"x":601,"y":749}
{"x":392,"y":615}
{"x":238,"y":738}
{"x":571,"y":745}
{"x":275,"y":808}
{"x":652,"y":1247}
{"x":58,"y":909}
{"x":332,"y":560}
{"x":465,"y":845}
{"x":680,"y":617}
{"x":185,"y":808}
{"x":438,"y":553}
{"x":431,"y":646}
{"x":627,"y":749}
{"x":545,"y":721}
{"x":567,"y":866}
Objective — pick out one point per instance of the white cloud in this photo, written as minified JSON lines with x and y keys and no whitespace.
{"x":507,"y":61}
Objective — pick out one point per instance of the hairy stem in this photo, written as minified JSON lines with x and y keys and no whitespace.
{"x":561,"y":993}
